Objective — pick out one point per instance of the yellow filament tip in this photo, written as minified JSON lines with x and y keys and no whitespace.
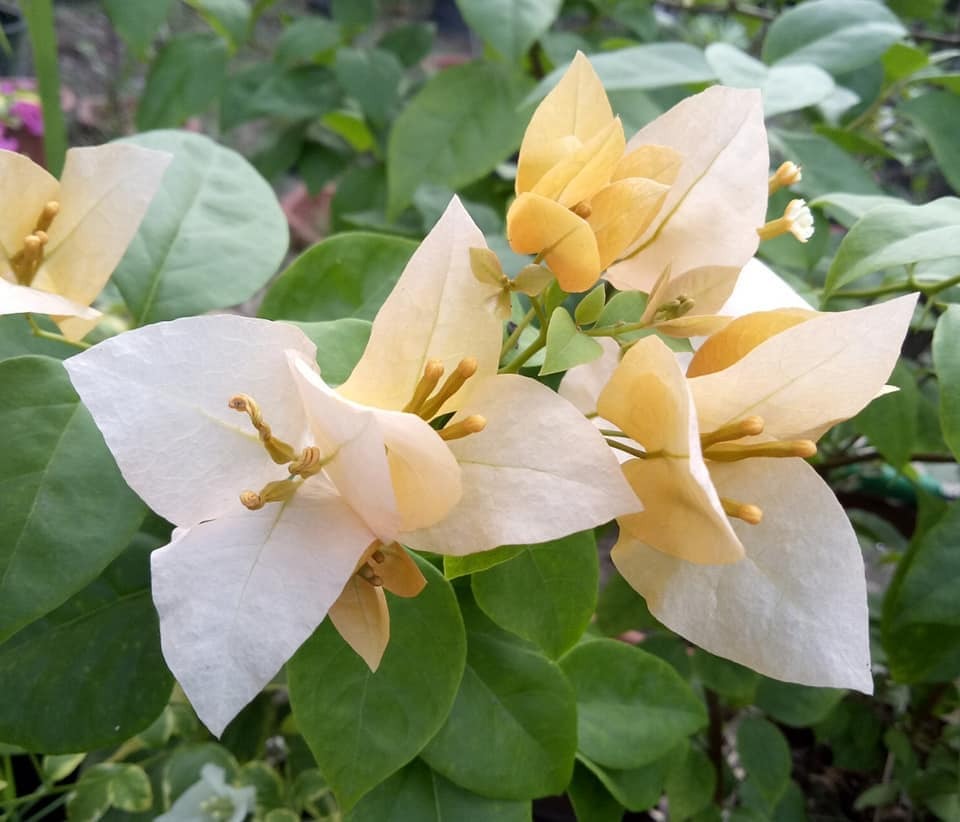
{"x":731,"y":452}
{"x":466,"y":368}
{"x":432,"y":372}
{"x":750,"y":514}
{"x":473,"y":424}
{"x":582,"y":209}
{"x":747,"y":427}
{"x":787,"y":174}
{"x":47,"y":216}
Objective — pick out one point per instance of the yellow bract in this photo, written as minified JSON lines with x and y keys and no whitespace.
{"x":580,"y":200}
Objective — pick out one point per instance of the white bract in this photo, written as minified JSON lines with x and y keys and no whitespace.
{"x":201,"y":413}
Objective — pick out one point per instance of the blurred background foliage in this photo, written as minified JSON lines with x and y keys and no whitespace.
{"x":366,"y":115}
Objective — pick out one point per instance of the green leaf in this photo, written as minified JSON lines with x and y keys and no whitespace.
{"x":632,"y":707}
{"x":110,"y":784}
{"x":637,"y":789}
{"x":319,"y":164}
{"x":590,"y":308}
{"x":936,"y":115}
{"x":826,"y":166}
{"x":784,"y":88}
{"x":468,"y":116}
{"x":301,"y":93}
{"x":796,"y":705}
{"x":66,"y":510}
{"x":228,"y":18}
{"x":639,"y":68}
{"x":546,"y":594}
{"x":340,"y":345}
{"x":306,"y":40}
{"x":690,"y":785}
{"x":372,"y":78}
{"x":41,"y":29}
{"x":184,"y":79}
{"x":567,"y":346}
{"x":347,"y":275}
{"x":837,"y":35}
{"x":765,"y":756}
{"x":624,"y":307}
{"x":946,"y":359}
{"x":419,"y":793}
{"x":137,"y":21}
{"x":183,"y":769}
{"x":735,"y":682}
{"x":510,"y":26}
{"x":620,"y":608}
{"x":512,"y":699}
{"x":890,"y":422}
{"x":60,"y":766}
{"x":848,"y":208}
{"x":362,"y":726}
{"x":211,"y":239}
{"x":902,"y":60}
{"x":410,"y":42}
{"x":354,"y":12}
{"x":921,"y":612}
{"x":454,"y":567}
{"x":90,"y":674}
{"x":591,"y":800}
{"x":896,"y":235}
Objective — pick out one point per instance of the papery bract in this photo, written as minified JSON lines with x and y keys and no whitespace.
{"x":794,"y":606}
{"x":61,"y":240}
{"x":239,"y":590}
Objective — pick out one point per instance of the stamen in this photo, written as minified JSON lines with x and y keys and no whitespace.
{"x":280,"y":452}
{"x":473,"y":424}
{"x":432,"y":372}
{"x":276,"y":491}
{"x":378,"y":557}
{"x":796,"y":219}
{"x":747,"y":427}
{"x":677,"y":307}
{"x":367,"y":573}
{"x":787,"y":175}
{"x":251,"y":500}
{"x":46,"y":218}
{"x":731,"y":452}
{"x":464,"y":371}
{"x":750,"y":514}
{"x":309,"y":462}
{"x":582,"y":209}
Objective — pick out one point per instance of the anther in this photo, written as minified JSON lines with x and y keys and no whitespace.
{"x":46,"y":218}
{"x":796,"y":219}
{"x":787,"y":175}
{"x":378,"y":556}
{"x":432,"y":372}
{"x":747,"y":427}
{"x":367,"y":572}
{"x":582,"y":209}
{"x":279,"y":451}
{"x":463,"y":372}
{"x":676,"y":307}
{"x":251,"y":500}
{"x":750,"y":514}
{"x":731,"y":452}
{"x":473,"y":424}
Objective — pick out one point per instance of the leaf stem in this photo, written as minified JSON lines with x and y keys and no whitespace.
{"x":896,"y":288}
{"x":518,"y":362}
{"x":49,"y":335}
{"x":511,"y":341}
{"x":617,"y":329}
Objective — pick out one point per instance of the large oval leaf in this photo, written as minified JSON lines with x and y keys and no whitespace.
{"x":347,"y":275}
{"x":546,"y":594}
{"x":837,"y":35}
{"x":511,"y":699}
{"x":90,"y":674}
{"x":420,"y":793}
{"x":461,"y":124}
{"x":66,"y":511}
{"x":946,"y":358}
{"x":213,"y":235}
{"x":510,"y":26}
{"x":631,"y":707}
{"x":363,"y":726}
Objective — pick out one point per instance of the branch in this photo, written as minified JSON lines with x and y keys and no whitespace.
{"x":868,"y":456}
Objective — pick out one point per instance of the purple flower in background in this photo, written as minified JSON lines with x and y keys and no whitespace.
{"x":8,"y":143}
{"x":30,"y":114}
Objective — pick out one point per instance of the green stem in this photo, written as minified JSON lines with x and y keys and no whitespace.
{"x":520,"y":360}
{"x":10,"y":791}
{"x":511,"y":341}
{"x":628,"y":450}
{"x":49,"y":335}
{"x":43,"y":40}
{"x":617,"y":330}
{"x":49,"y":809}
